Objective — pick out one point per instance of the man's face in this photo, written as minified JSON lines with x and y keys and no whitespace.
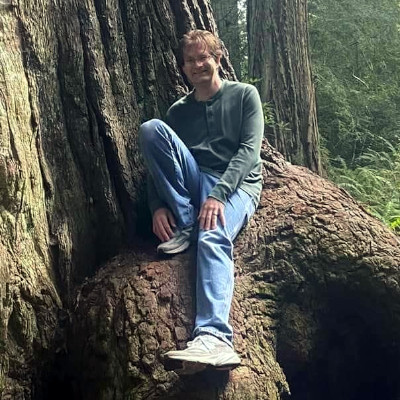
{"x":199,"y":66}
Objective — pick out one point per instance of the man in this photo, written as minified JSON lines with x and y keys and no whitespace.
{"x":204,"y":183}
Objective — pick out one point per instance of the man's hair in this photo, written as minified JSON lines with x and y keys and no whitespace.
{"x":210,"y":41}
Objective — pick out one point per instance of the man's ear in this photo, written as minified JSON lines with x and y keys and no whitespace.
{"x":218,"y":60}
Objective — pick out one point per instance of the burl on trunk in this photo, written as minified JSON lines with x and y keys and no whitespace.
{"x":316,"y":305}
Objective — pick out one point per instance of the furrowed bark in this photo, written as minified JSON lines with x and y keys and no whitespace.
{"x":279,"y":61}
{"x":77,"y":79}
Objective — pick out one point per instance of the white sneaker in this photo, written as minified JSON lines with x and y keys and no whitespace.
{"x":180,"y":242}
{"x":208,"y":350}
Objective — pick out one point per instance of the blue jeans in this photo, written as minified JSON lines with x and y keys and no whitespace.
{"x":183,"y":188}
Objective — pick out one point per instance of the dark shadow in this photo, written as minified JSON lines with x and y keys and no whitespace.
{"x":351,"y":351}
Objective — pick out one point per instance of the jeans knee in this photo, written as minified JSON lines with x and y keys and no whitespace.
{"x":149,"y":131}
{"x":215,"y":240}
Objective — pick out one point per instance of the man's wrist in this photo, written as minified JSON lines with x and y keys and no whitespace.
{"x":210,"y":196}
{"x":156,"y":205}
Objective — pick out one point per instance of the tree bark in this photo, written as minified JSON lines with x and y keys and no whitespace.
{"x":77,"y":78}
{"x":226,"y":15}
{"x":279,"y":61}
{"x":316,"y":305}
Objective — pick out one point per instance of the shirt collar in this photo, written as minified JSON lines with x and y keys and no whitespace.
{"x":211,"y":99}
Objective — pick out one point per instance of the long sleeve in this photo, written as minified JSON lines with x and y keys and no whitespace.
{"x":248,"y":154}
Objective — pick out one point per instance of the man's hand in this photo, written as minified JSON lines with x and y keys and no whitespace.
{"x":210,"y":211}
{"x":163,"y":224}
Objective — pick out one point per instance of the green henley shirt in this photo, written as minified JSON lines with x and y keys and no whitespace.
{"x":224,"y":135}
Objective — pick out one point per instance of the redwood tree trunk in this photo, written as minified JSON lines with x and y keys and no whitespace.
{"x":77,"y":78}
{"x":279,"y":60}
{"x":226,"y":15}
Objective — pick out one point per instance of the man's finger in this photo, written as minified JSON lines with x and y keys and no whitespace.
{"x":222,"y":217}
{"x":171,"y":220}
{"x":161,"y":231}
{"x":157,"y":233}
{"x":168,"y":229}
{"x":202,"y":221}
{"x":209,"y":220}
{"x":214,"y":221}
{"x":201,"y":218}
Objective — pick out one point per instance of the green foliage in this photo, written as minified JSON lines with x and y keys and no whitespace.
{"x":375,"y":182}
{"x":269,"y":115}
{"x":395,"y":224}
{"x":355,"y":48}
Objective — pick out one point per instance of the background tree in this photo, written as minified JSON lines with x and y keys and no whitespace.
{"x":226,"y":14}
{"x":279,"y":62}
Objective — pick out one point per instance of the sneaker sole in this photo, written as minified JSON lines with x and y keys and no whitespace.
{"x":177,"y":250}
{"x":190,"y":367}
{"x":229,"y":364}
{"x":227,"y":367}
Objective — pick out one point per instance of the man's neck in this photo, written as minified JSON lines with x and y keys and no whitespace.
{"x":205,"y":92}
